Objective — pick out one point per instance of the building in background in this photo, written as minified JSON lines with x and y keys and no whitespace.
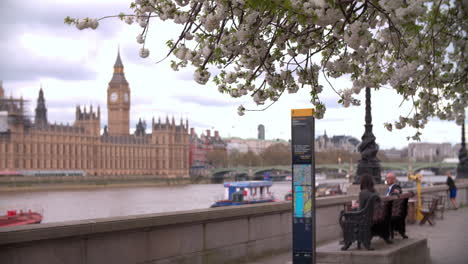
{"x":261,"y":132}
{"x":432,"y":152}
{"x":206,"y":151}
{"x":255,"y":145}
{"x":394,"y":154}
{"x":3,"y":121}
{"x":42,"y":146}
{"x":11,"y":113}
{"x":342,"y":142}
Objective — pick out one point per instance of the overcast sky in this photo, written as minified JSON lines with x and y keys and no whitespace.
{"x":74,"y":68}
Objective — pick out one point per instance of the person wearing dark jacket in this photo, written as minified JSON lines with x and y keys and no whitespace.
{"x":393,"y":187}
{"x":367,"y":190}
{"x":452,"y":189}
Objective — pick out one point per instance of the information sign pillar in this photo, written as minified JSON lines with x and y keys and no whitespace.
{"x":303,"y":186}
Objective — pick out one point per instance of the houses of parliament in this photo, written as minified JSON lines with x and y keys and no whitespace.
{"x":39,"y":145}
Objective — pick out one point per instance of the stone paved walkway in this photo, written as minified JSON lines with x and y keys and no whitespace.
{"x":447,"y":240}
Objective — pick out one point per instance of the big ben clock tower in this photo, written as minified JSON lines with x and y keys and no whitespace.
{"x":118,"y":102}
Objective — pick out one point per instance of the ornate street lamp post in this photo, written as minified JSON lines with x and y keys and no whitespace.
{"x":462,"y":168}
{"x":368,"y":148}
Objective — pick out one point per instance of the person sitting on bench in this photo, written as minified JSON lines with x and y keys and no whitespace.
{"x":367,"y":190}
{"x":393,"y":187}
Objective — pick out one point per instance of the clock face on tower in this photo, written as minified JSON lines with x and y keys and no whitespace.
{"x":113,"y":97}
{"x":126,"y":97}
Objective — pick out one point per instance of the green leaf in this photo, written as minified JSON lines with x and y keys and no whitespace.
{"x":170,"y":43}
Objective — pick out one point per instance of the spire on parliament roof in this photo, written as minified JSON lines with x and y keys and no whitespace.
{"x":118,"y":77}
{"x":118,"y":61}
{"x":41,"y":110}
{"x":2,"y":92}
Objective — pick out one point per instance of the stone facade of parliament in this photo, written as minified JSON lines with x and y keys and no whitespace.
{"x":42,"y":146}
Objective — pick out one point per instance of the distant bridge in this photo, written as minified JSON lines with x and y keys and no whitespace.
{"x":239,"y":173}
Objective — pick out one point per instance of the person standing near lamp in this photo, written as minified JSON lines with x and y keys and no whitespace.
{"x":452,"y":189}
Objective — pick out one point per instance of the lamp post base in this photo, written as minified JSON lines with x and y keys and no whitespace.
{"x":462,"y":172}
{"x":368,"y":167}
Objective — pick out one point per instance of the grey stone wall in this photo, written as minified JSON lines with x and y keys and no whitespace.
{"x":462,"y":193}
{"x":219,"y":235}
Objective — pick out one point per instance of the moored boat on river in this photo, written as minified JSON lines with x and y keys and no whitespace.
{"x":13,"y":218}
{"x":246,"y":192}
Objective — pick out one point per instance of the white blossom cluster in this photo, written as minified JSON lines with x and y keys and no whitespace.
{"x":265,"y":48}
{"x":83,"y":23}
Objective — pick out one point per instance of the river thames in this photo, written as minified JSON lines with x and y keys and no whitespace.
{"x":68,"y":205}
{"x":58,"y":206}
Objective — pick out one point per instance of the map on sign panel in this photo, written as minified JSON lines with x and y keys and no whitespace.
{"x":303,"y":201}
{"x":302,"y":174}
{"x":302,"y":190}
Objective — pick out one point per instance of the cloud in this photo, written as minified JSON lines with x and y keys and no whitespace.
{"x":141,"y":100}
{"x":200,"y":124}
{"x":205,"y":101}
{"x":36,"y":69}
{"x":32,"y":14}
{"x":37,"y":44}
{"x":130,"y":55}
{"x":32,"y":57}
{"x":329,"y":101}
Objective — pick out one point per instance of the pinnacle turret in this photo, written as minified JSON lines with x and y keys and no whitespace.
{"x":41,"y":110}
{"x":118,"y":61}
{"x":2,"y":92}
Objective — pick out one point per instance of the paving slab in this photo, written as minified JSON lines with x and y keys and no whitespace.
{"x":447,"y":240}
{"x":402,"y":251}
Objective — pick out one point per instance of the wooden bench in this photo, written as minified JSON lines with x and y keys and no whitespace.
{"x":381,"y":217}
{"x":429,"y":212}
{"x":440,"y":209}
{"x":426,"y":202}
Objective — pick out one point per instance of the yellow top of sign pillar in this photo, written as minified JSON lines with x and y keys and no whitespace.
{"x":302,"y":112}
